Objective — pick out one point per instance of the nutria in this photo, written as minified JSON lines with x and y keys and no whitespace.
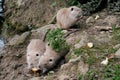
{"x":35,"y":49}
{"x":67,"y":17}
{"x":50,"y":58}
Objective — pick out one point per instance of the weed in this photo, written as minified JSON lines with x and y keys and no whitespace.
{"x":112,"y":71}
{"x":78,"y":51}
{"x":112,"y":50}
{"x":74,"y":2}
{"x":56,"y":40}
{"x":91,"y":60}
{"x":53,"y":4}
{"x":7,"y":25}
{"x":90,"y":75}
{"x":116,"y":33}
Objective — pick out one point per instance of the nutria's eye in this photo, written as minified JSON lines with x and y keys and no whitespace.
{"x":72,"y":9}
{"x":50,"y":60}
{"x":37,"y":54}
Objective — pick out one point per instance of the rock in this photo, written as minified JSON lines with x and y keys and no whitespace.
{"x":82,"y":67}
{"x":83,"y":41}
{"x":64,"y":77}
{"x":51,"y":72}
{"x":71,"y":40}
{"x":117,"y":53}
{"x":65,"y":66}
{"x":110,"y":20}
{"x":40,"y":32}
{"x":100,"y":39}
{"x":20,"y":2}
{"x":35,"y":78}
{"x":18,"y":39}
{"x":117,"y":46}
{"x":75,"y":59}
{"x":90,"y":20}
{"x":103,"y":28}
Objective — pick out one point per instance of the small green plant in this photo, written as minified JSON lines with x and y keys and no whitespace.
{"x":90,"y":75}
{"x":116,"y":33}
{"x":91,"y":60}
{"x":56,"y":40}
{"x":53,"y":4}
{"x":7,"y":25}
{"x":112,"y":50}
{"x":74,"y":2}
{"x":78,"y":51}
{"x":112,"y":72}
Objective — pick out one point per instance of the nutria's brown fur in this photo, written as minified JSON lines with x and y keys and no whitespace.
{"x":35,"y":49}
{"x":67,"y":17}
{"x":50,"y":58}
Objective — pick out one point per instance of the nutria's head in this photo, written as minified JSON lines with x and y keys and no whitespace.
{"x":75,"y":12}
{"x":33,"y":59}
{"x":48,"y":60}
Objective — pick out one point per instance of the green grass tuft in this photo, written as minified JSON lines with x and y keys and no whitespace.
{"x":56,"y":40}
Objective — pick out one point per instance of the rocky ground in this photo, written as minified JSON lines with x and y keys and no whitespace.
{"x":82,"y":62}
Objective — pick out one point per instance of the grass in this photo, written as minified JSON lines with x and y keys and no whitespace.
{"x":73,"y":3}
{"x":56,"y":40}
{"x":7,"y":25}
{"x":53,"y":4}
{"x":110,"y":72}
{"x":116,"y":33}
{"x":90,"y":75}
{"x":78,"y":52}
{"x":111,"y":50}
{"x":7,"y":29}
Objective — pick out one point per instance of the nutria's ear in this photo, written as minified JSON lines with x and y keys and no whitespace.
{"x":72,"y":9}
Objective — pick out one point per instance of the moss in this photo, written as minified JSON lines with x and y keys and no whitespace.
{"x":56,"y":40}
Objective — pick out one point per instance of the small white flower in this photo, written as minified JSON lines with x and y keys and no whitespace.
{"x":97,"y":17}
{"x":90,"y":44}
{"x":105,"y":62}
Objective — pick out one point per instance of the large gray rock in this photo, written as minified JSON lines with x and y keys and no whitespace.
{"x":90,"y":20}
{"x":20,"y":2}
{"x":76,"y":64}
{"x":117,"y":53}
{"x":110,"y":20}
{"x":83,"y":40}
{"x":35,"y":78}
{"x":117,"y":46}
{"x":82,"y":67}
{"x":40,"y":32}
{"x":64,"y":77}
{"x":18,"y":39}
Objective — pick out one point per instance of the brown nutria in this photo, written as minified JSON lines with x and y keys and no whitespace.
{"x":50,"y":59}
{"x":67,"y":17}
{"x":35,"y":50}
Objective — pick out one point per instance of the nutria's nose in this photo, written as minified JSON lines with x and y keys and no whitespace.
{"x":45,"y":64}
{"x":39,"y":67}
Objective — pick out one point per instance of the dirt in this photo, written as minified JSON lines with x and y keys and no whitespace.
{"x":29,"y":12}
{"x":40,"y":12}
